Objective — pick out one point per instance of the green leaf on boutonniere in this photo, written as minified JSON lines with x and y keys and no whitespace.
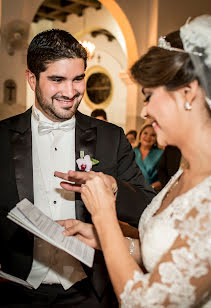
{"x":94,"y":161}
{"x":81,"y":154}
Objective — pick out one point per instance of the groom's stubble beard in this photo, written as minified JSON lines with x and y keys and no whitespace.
{"x":48,"y":106}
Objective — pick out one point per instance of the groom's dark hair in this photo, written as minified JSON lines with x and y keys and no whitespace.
{"x":50,"y":46}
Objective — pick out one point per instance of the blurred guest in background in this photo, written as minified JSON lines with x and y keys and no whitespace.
{"x":99,"y":114}
{"x":148,"y":155}
{"x":131,"y":137}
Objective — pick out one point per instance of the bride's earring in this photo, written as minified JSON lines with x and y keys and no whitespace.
{"x":187,"y":106}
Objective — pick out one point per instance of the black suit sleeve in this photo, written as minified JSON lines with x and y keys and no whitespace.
{"x":169,"y":164}
{"x":134,"y":194}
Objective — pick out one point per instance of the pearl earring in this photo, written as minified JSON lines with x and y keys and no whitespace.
{"x":187,"y":106}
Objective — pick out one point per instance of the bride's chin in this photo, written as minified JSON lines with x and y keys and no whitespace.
{"x":161,"y":141}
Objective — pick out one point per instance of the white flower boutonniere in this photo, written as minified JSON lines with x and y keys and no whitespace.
{"x":85,"y":163}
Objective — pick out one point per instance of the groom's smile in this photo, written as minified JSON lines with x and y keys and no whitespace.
{"x":60,"y":88}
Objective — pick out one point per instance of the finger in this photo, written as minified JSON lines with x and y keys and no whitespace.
{"x":80,"y":177}
{"x":84,"y":197}
{"x":67,"y":223}
{"x":71,"y":187}
{"x":71,"y":176}
{"x":85,"y":191}
{"x":61,"y":222}
{"x":87,"y":197}
{"x":61,"y":175}
{"x":93,"y":183}
{"x":84,"y":240}
{"x":74,"y":229}
{"x":92,"y":172}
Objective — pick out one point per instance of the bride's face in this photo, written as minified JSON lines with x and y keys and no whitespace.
{"x":161,"y":106}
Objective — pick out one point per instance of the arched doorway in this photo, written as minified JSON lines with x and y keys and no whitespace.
{"x":132,"y":56}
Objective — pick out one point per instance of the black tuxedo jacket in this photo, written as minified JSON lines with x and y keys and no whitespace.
{"x":168,"y":164}
{"x":102,"y":141}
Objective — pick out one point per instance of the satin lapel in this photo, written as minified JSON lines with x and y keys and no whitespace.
{"x":21,"y":139}
{"x":86,"y":136}
{"x":85,"y":140}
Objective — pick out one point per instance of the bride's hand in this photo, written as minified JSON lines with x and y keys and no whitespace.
{"x":83,"y":231}
{"x":99,"y":199}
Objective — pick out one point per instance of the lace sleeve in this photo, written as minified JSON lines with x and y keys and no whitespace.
{"x":182,"y":278}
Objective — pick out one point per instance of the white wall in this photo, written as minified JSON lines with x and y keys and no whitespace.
{"x":114,"y":61}
{"x":92,"y":19}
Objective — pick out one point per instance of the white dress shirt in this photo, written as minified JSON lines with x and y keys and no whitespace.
{"x":54,"y":151}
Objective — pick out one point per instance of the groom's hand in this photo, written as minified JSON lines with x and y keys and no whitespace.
{"x":77,"y":178}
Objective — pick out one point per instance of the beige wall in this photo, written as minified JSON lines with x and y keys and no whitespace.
{"x":13,"y":67}
{"x":173,"y":14}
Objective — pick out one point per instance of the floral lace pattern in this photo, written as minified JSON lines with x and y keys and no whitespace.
{"x":189,"y":261}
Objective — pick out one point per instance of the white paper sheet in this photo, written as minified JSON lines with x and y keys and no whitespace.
{"x":32,"y":219}
{"x":15,"y":279}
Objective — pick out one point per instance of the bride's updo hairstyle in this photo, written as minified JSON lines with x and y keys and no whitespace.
{"x":179,"y":58}
{"x":161,"y":67}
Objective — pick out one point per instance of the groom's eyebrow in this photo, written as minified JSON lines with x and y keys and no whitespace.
{"x":55,"y":76}
{"x":79,"y":77}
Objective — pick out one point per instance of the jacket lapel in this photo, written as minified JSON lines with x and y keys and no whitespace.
{"x":86,"y":135}
{"x":21,"y":140}
{"x":85,"y":140}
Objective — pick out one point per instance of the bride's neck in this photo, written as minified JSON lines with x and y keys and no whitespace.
{"x":196,"y":154}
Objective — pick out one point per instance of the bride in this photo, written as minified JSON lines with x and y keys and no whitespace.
{"x":175,"y":229}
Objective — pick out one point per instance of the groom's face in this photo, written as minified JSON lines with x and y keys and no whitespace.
{"x":60,"y":88}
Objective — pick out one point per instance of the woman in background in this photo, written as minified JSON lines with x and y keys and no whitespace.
{"x":148,"y":155}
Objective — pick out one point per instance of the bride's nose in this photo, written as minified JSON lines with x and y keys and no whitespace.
{"x":144,"y":114}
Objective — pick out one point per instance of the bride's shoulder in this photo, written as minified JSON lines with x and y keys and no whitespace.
{"x":182,"y":204}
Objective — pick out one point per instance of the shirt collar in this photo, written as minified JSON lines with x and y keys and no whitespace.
{"x":40,"y":117}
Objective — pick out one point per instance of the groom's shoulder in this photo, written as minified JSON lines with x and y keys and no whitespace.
{"x":14,"y":119}
{"x":98,"y":123}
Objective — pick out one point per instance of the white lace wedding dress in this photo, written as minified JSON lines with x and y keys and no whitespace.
{"x":188,"y":265}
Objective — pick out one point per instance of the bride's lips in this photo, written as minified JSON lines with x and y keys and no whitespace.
{"x":155,"y":125}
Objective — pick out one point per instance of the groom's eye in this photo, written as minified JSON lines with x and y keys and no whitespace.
{"x":55,"y":78}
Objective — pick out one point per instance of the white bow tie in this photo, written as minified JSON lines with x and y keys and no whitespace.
{"x":46,"y":128}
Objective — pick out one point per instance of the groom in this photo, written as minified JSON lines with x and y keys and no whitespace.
{"x":51,"y":136}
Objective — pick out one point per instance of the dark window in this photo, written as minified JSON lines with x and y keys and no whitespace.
{"x":98,"y":88}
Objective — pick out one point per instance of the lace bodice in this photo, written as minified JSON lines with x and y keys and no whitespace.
{"x":176,"y":251}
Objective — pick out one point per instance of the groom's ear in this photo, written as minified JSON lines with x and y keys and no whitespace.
{"x":31,"y":79}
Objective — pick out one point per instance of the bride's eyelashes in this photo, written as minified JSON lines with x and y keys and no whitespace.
{"x":147,"y":98}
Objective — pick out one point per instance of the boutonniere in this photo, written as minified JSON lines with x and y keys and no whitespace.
{"x":85,"y":163}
